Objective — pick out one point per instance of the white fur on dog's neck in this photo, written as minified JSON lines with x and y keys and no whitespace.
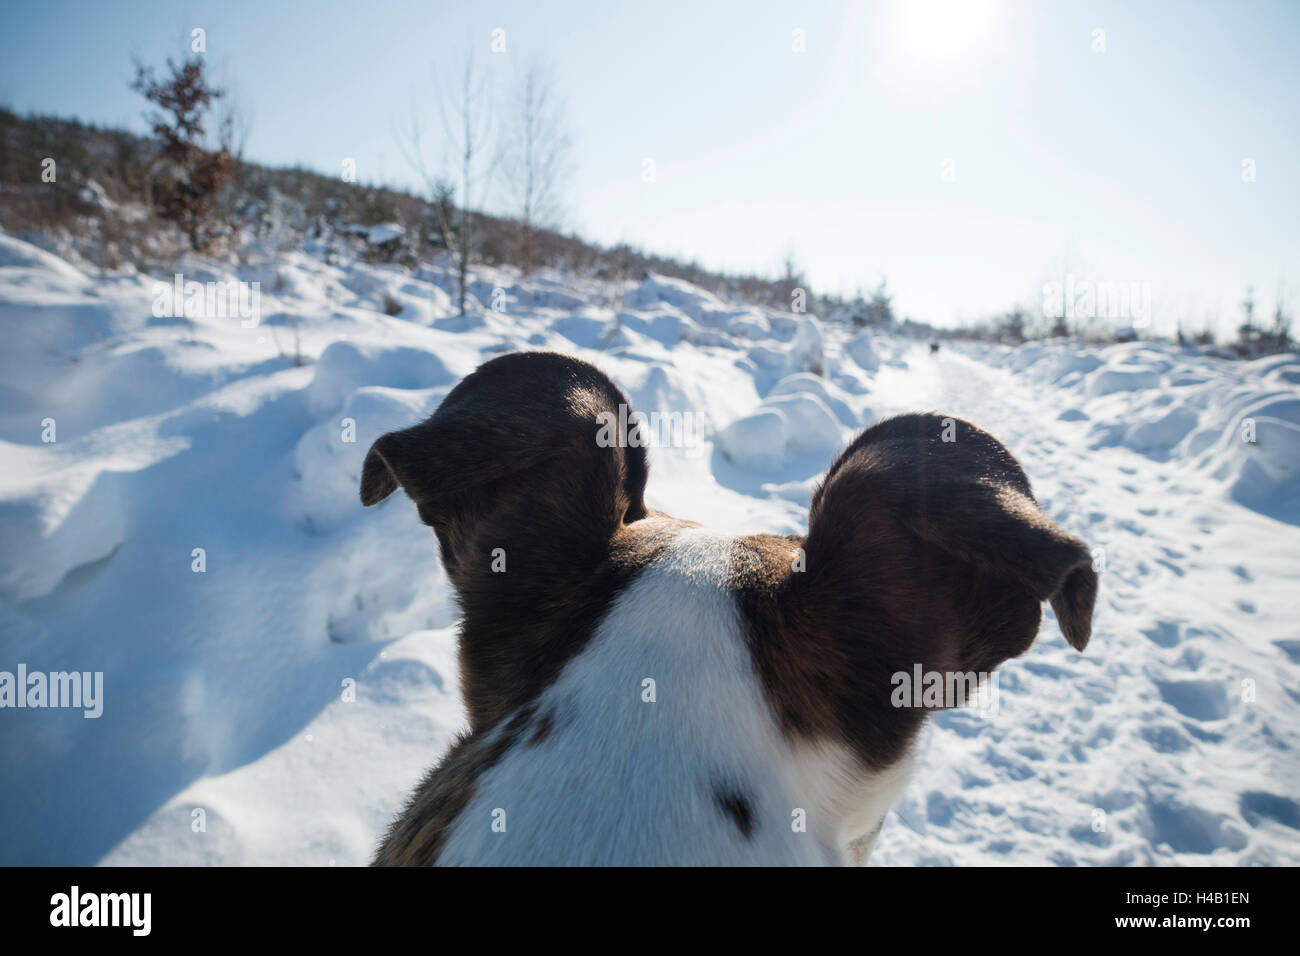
{"x":616,"y":779}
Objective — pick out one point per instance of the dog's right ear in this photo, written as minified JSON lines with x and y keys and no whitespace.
{"x":939,"y":518}
{"x":925,"y":551}
{"x":514,"y":457}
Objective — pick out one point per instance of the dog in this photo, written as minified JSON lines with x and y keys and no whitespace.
{"x":641,"y":690}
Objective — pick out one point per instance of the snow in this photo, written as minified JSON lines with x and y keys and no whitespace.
{"x":784,"y":426}
{"x":656,"y":290}
{"x":384,"y":232}
{"x":344,"y":367}
{"x":378,"y":234}
{"x":289,"y":695}
{"x":863,"y":352}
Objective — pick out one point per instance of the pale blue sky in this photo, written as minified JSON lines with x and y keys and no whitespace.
{"x":1125,"y":163}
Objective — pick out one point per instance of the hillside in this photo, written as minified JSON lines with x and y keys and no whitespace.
{"x":96,"y":215}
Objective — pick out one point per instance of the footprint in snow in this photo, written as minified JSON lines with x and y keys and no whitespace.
{"x":1257,"y":806}
{"x":1197,"y":699}
{"x":1192,"y":829}
{"x":1289,"y":647}
{"x":1163,"y":634}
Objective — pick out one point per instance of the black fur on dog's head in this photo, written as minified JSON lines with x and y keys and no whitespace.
{"x":508,"y":472}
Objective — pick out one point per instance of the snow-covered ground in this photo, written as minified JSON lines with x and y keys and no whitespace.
{"x":272,"y":697}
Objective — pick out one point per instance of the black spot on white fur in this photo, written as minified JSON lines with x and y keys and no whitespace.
{"x":736,"y":807}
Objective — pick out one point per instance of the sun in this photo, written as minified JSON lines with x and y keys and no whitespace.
{"x":945,"y":33}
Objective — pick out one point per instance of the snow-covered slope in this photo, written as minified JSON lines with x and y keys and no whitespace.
{"x":271,"y":697}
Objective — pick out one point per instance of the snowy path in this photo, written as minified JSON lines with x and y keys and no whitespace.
{"x":1152,"y":725}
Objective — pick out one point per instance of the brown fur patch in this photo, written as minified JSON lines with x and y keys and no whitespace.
{"x":416,"y":835}
{"x":799,"y":668}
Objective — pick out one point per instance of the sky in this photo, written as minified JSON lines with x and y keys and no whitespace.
{"x":967,"y":151}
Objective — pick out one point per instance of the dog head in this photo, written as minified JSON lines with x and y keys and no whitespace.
{"x":925,"y":549}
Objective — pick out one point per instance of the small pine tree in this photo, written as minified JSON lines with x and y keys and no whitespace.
{"x":193,"y":176}
{"x":1011,"y":327}
{"x":1247,"y":332}
{"x":1280,"y":334}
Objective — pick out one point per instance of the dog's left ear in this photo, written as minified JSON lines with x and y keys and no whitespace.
{"x":514,"y":458}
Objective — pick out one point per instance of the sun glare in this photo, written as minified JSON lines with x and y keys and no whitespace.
{"x":945,"y":33}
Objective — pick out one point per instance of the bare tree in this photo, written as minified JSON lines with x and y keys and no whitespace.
{"x":536,"y":155}
{"x":1280,"y":335}
{"x":792,"y":278}
{"x":467,"y":134}
{"x":235,"y":124}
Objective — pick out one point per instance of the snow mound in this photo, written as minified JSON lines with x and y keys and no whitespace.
{"x":384,"y":232}
{"x":50,"y":531}
{"x":1156,"y":436}
{"x":588,"y":331}
{"x":774,"y":361}
{"x":655,"y":289}
{"x":749,"y":324}
{"x":329,"y":456}
{"x":1104,"y":381}
{"x":785,"y":427}
{"x":808,"y":352}
{"x":861,"y":348}
{"x":1234,"y":421}
{"x":346,"y":366}
{"x":27,"y":267}
{"x":666,"y":328}
{"x":829,"y":394}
